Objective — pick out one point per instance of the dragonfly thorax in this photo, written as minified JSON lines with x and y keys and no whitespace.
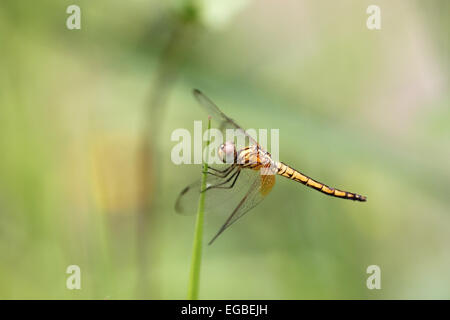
{"x":254,"y":157}
{"x":227,"y":152}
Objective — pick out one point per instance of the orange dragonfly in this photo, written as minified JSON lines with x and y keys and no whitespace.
{"x":246,"y":177}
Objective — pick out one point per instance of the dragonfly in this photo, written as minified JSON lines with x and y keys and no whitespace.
{"x":246,"y":176}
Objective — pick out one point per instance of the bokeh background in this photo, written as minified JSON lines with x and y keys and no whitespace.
{"x":85,"y":123}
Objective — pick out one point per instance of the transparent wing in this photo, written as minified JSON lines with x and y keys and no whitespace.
{"x":222,"y":119}
{"x":187,"y":201}
{"x":257,"y":191}
{"x":236,"y":199}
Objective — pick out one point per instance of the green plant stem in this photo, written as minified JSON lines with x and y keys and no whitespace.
{"x":196,"y":260}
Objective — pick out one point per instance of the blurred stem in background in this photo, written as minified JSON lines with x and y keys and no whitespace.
{"x":196,"y":259}
{"x":184,"y":26}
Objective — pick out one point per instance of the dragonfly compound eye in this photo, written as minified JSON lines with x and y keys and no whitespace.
{"x":227,"y":152}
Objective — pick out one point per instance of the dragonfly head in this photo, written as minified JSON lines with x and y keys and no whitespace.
{"x":227,"y":152}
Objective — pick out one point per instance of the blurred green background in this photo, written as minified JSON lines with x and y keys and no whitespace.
{"x":85,"y":123}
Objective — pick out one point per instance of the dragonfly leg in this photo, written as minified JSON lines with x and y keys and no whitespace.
{"x":234,"y":181}
{"x":221,"y":185}
{"x":220,"y":173}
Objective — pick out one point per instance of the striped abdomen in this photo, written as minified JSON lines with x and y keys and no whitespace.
{"x":288,"y":172}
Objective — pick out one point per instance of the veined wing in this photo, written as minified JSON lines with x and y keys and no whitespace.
{"x":260,"y":188}
{"x":248,"y":190}
{"x":187,"y":200}
{"x":224,"y":121}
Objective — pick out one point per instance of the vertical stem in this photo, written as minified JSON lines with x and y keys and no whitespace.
{"x":196,"y":260}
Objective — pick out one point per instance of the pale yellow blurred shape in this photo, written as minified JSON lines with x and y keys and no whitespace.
{"x":114,"y":173}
